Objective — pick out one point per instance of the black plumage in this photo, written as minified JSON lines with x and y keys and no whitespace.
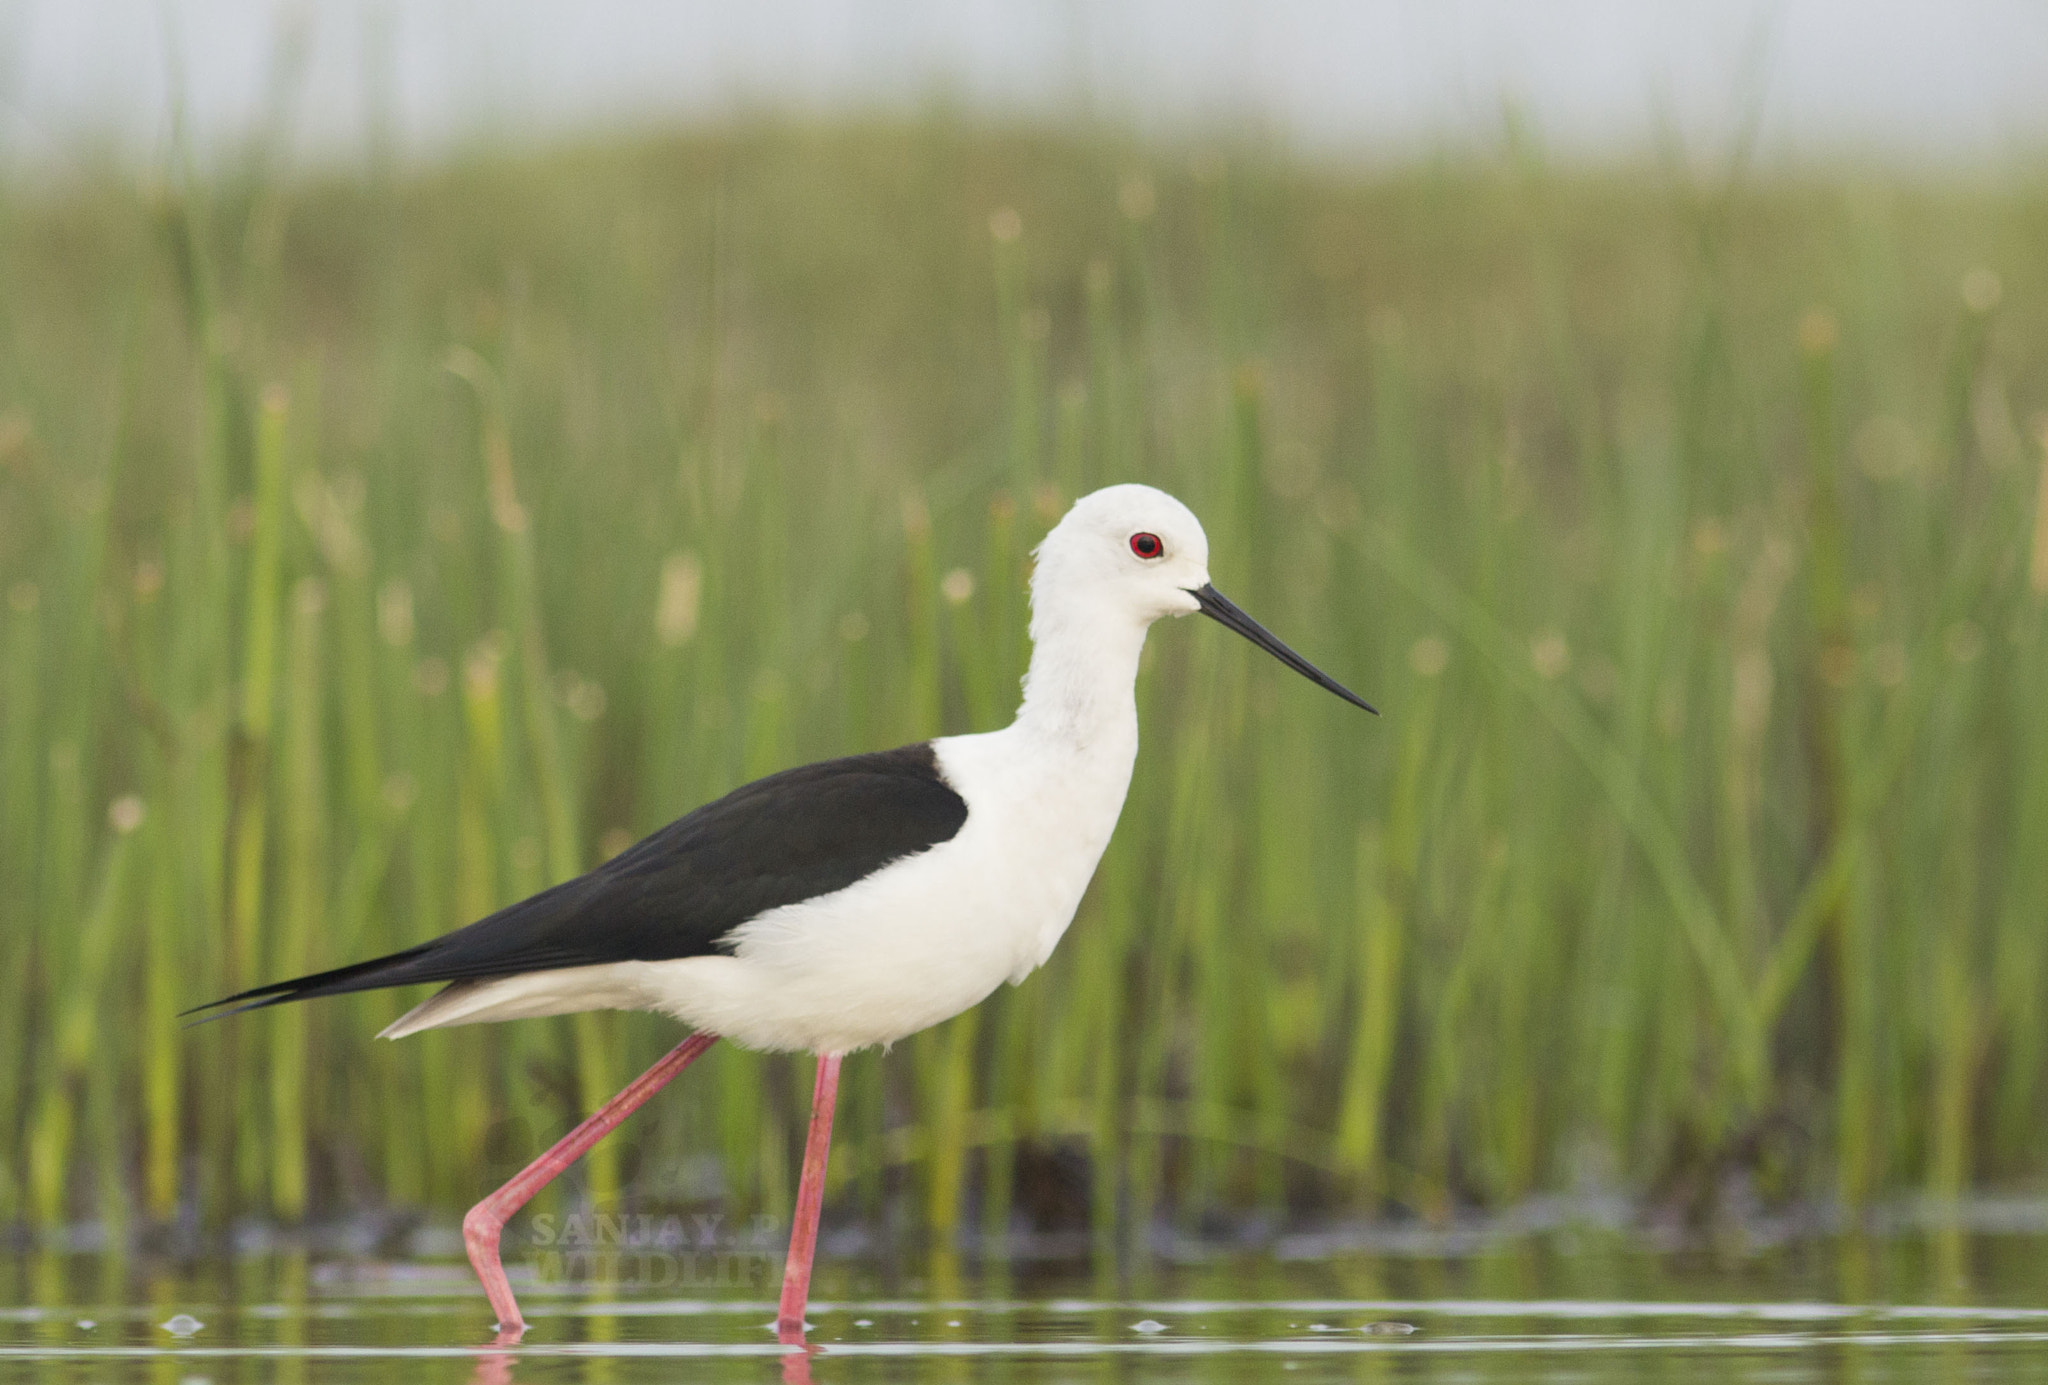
{"x":792,"y":836}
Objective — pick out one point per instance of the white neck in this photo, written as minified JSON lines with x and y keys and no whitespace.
{"x":1081,"y":688}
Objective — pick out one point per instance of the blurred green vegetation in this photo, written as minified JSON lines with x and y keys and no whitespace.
{"x":379,"y":548}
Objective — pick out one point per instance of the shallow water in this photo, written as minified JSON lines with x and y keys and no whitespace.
{"x":1562,"y":1307}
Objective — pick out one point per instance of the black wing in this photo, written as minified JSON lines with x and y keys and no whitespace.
{"x":780,"y":840}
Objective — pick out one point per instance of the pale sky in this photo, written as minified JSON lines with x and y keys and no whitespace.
{"x":1910,"y":80}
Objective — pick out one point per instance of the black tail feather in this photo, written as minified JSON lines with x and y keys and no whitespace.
{"x":392,"y":970}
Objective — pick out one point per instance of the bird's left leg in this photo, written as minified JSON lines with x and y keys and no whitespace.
{"x":810,"y":1198}
{"x":481,"y":1228}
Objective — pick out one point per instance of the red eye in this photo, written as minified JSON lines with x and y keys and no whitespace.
{"x":1147,"y":545}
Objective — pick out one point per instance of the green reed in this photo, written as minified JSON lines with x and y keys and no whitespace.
{"x":377,"y":551}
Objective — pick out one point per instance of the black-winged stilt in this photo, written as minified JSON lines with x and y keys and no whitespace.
{"x":849,"y":903}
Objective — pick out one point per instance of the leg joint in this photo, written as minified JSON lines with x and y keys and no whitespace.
{"x":481,"y":1225}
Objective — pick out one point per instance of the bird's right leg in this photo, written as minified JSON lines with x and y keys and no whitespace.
{"x":486,"y":1220}
{"x":810,"y":1202}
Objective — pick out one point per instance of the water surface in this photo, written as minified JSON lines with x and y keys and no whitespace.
{"x":1559,"y":1307}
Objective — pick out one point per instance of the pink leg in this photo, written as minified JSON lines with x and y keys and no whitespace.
{"x":480,"y":1229}
{"x":810,"y":1197}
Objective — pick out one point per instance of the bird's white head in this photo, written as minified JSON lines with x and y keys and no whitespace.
{"x":1128,"y":552}
{"x":1121,"y":558}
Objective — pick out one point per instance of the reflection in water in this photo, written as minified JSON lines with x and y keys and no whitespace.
{"x":494,"y":1365}
{"x":1525,"y":1312}
{"x":796,"y":1365}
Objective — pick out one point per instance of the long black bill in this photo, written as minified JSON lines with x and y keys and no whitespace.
{"x":1220,"y":608}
